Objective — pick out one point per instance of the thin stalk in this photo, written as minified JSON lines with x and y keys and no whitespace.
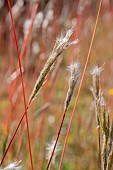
{"x":74,"y":77}
{"x":21,"y":56}
{"x":6,"y":151}
{"x":25,"y":44}
{"x":58,"y":134}
{"x":81,"y":82}
{"x":23,"y":90}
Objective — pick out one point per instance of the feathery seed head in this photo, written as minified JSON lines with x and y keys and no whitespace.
{"x":102,"y":101}
{"x":74,"y":70}
{"x":13,"y":166}
{"x":49,"y":150}
{"x":63,"y":41}
{"x":96,"y":71}
{"x":60,"y":45}
{"x":74,"y":77}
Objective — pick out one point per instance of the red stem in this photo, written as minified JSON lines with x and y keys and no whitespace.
{"x":12,"y":138}
{"x":49,"y":162}
{"x":23,"y":90}
{"x":79,"y":90}
{"x":21,"y":56}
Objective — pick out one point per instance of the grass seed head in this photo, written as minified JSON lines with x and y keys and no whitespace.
{"x":13,"y":166}
{"x":96,"y":71}
{"x":49,"y":150}
{"x":61,"y":44}
{"x":74,"y":77}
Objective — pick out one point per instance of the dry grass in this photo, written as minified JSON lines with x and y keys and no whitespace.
{"x":44,"y":57}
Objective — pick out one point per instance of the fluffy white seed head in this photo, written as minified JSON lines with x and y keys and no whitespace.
{"x":60,"y":45}
{"x":64,"y":40}
{"x":49,"y":151}
{"x":96,"y":71}
{"x":74,"y":77}
{"x":13,"y":166}
{"x":74,"y":70}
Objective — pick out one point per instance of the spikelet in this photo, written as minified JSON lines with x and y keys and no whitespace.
{"x":49,"y":150}
{"x":74,"y":77}
{"x":13,"y":166}
{"x":103,"y":120}
{"x":96,"y":71}
{"x":61,"y":44}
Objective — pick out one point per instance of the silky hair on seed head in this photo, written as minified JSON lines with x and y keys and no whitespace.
{"x":74,"y":70}
{"x":61,"y":44}
{"x":49,"y":150}
{"x":13,"y":166}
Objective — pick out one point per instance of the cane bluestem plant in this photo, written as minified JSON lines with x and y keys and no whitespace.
{"x":103,"y":122}
{"x":61,"y":44}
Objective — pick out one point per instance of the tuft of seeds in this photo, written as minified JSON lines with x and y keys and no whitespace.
{"x":95,"y":72}
{"x":61,"y":44}
{"x":103,"y":121}
{"x":74,"y":77}
{"x":49,"y":150}
{"x":13,"y":166}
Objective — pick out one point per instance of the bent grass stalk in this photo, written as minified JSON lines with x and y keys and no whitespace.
{"x":81,"y":82}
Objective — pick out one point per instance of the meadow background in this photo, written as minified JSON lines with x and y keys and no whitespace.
{"x":52,"y":17}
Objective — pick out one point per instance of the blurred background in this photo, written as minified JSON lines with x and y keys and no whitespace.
{"x":52,"y":18}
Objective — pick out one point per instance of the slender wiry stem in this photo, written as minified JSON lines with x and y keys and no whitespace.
{"x":13,"y":138}
{"x":81,"y":82}
{"x":49,"y":162}
{"x":74,"y":77}
{"x":21,"y":56}
{"x":23,"y":90}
